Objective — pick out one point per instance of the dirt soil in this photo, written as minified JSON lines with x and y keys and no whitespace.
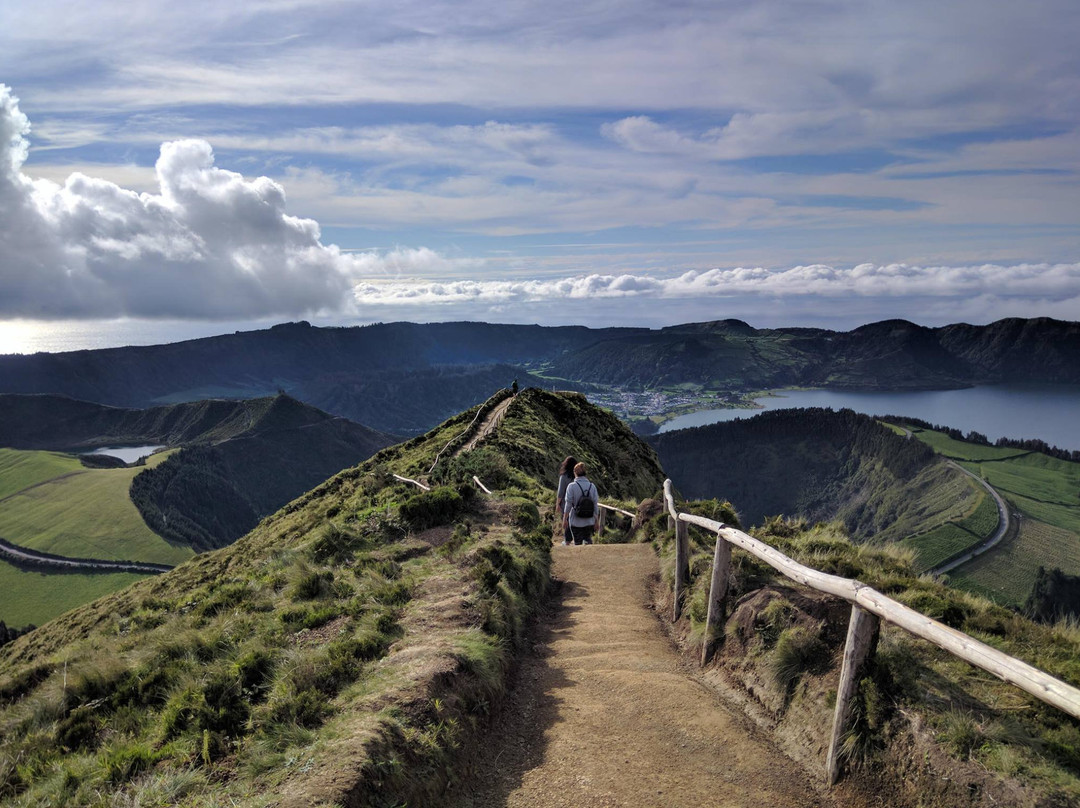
{"x":605,"y":713}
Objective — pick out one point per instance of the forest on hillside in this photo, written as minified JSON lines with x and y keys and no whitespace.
{"x":815,"y":463}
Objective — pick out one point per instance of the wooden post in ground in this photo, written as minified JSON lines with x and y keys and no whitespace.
{"x":861,"y":633}
{"x":682,"y":564}
{"x":718,"y":588}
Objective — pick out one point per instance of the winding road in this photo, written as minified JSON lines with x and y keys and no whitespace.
{"x":18,"y":554}
{"x":999,"y":534}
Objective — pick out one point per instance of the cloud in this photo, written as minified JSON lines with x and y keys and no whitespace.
{"x":885,"y":283}
{"x":210,"y":244}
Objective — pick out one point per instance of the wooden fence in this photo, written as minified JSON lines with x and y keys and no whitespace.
{"x":868,"y":606}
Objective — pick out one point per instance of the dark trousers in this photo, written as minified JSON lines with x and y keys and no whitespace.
{"x":579,"y":535}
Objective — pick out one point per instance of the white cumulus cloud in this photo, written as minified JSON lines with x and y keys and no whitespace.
{"x":209,"y":244}
{"x":1060,"y":282}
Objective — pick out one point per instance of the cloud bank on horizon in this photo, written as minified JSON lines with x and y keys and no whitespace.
{"x":645,"y":162}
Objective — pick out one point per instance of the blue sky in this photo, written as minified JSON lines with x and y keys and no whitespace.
{"x":790,"y":163}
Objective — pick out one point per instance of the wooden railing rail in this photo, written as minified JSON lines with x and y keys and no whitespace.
{"x":868,"y":606}
{"x":417,"y":483}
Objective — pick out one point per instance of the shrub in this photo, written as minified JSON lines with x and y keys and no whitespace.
{"x":313,"y":584}
{"x":525,"y":515}
{"x":797,"y":650}
{"x":127,"y":761}
{"x":436,"y":507}
{"x":335,"y":543}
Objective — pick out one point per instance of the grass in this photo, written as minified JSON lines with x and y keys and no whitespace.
{"x":937,"y":495}
{"x":334,"y":647}
{"x":944,"y":542}
{"x":975,"y":716}
{"x":83,"y":513}
{"x":1007,"y":573}
{"x":1046,"y":490}
{"x":962,"y":450}
{"x":1037,"y":477}
{"x":20,"y":470}
{"x":35,"y":597}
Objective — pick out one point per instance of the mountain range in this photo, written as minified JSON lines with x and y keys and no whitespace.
{"x":406,"y":377}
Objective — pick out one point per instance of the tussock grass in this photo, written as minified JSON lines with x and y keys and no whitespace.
{"x":974,"y":716}
{"x":331,"y":639}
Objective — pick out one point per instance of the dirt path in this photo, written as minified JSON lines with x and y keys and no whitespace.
{"x":488,"y":426}
{"x":604,"y":713}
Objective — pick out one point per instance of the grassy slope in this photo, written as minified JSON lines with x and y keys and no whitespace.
{"x":85,"y":514}
{"x":1044,"y":489}
{"x":959,"y":534}
{"x":1006,"y":575}
{"x":341,"y":648}
{"x":821,"y":465}
{"x":21,"y":470}
{"x":787,"y":655}
{"x":37,"y":597}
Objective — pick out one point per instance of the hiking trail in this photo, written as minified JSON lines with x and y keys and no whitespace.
{"x":488,"y":426}
{"x":605,"y":713}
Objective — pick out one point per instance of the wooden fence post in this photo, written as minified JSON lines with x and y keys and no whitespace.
{"x":718,"y":588}
{"x":682,"y":564}
{"x":862,"y":630}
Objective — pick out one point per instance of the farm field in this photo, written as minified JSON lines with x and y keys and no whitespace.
{"x":1007,"y":573}
{"x":942,"y":543}
{"x":79,"y":512}
{"x":962,"y":450}
{"x":21,"y":470}
{"x":1046,"y":492}
{"x":36,"y":597}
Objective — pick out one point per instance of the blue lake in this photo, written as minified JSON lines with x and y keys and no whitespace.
{"x":129,"y":454}
{"x":1050,"y":413}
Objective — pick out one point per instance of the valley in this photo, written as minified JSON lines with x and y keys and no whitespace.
{"x":357,"y":642}
{"x":232,"y":464}
{"x":1043,"y":494}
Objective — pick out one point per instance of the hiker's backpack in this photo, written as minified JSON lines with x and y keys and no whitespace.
{"x":585,"y":508}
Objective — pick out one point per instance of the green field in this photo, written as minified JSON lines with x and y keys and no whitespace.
{"x":36,"y":597}
{"x":942,"y":543}
{"x":78,"y":512}
{"x":962,"y":450}
{"x":1045,"y":490}
{"x":1007,"y":573}
{"x":21,"y":470}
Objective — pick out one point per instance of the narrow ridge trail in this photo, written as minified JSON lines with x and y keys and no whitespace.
{"x":604,"y":713}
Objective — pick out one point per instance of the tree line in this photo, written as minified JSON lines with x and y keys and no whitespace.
{"x":1026,"y":444}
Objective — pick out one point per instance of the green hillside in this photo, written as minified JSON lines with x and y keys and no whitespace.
{"x":79,"y":512}
{"x":248,"y":459}
{"x":345,"y":646}
{"x":821,"y":465}
{"x":30,"y":597}
{"x":1043,"y":491}
{"x":246,"y":466}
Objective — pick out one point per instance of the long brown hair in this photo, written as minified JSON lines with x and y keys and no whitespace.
{"x":567,"y":466}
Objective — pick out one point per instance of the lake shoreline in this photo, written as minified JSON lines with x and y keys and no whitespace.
{"x":1019,"y":411}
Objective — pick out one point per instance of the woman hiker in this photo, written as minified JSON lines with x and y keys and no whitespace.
{"x":566,"y":476}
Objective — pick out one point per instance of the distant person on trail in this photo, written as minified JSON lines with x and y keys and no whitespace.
{"x":566,"y":476}
{"x":581,"y":514}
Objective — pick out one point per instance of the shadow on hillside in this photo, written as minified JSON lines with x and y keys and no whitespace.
{"x":514,"y":742}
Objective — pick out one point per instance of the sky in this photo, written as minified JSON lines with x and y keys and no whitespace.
{"x":212,"y":165}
